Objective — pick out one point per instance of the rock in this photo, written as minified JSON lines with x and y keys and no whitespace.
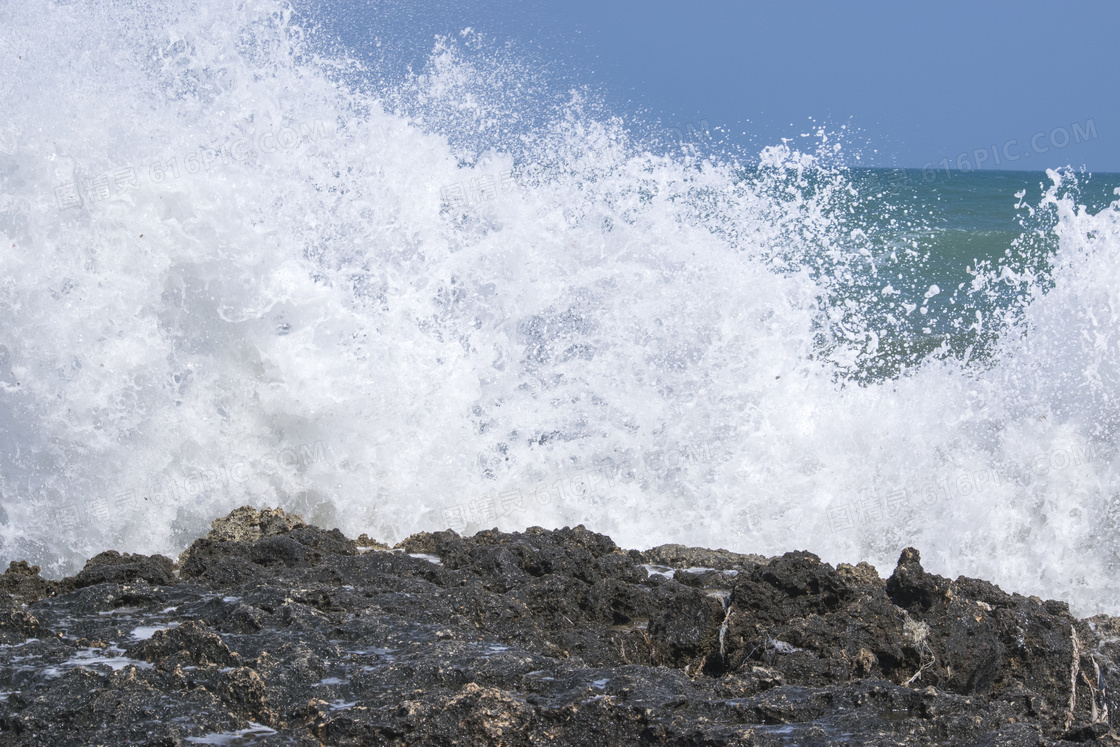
{"x":680,"y":556}
{"x":911,"y":588}
{"x":332,"y":541}
{"x":113,"y":567}
{"x":861,"y":574}
{"x":247,"y":524}
{"x":243,"y":690}
{"x":364,"y":540}
{"x":686,"y":627}
{"x":23,"y":581}
{"x":194,"y":639}
{"x":276,"y":632}
{"x":17,"y":625}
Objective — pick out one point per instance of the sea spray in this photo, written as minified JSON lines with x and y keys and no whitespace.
{"x":221,"y":243}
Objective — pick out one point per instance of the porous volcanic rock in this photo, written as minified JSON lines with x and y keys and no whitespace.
{"x":270,"y":631}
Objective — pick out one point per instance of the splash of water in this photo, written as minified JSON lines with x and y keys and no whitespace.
{"x":235,"y":270}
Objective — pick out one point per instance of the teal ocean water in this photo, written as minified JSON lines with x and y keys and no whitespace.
{"x":237,"y":266}
{"x":941,"y":229}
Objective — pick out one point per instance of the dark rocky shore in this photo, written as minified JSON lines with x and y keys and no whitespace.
{"x":272,"y":632}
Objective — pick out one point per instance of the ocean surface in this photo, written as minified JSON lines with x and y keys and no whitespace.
{"x":239,"y":265}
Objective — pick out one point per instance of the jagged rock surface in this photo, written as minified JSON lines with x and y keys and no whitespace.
{"x":276,"y":632}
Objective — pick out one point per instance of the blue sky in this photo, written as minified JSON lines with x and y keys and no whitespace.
{"x":1029,"y":84}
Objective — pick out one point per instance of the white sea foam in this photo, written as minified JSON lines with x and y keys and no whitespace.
{"x":278,"y":290}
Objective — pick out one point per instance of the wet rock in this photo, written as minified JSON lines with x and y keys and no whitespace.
{"x":243,"y":690}
{"x":332,"y":541}
{"x":490,"y":715}
{"x":971,"y":646}
{"x":686,"y":627}
{"x":23,"y":581}
{"x":17,"y":624}
{"x":977,"y":638}
{"x":680,"y":556}
{"x":200,"y":645}
{"x":364,"y":540}
{"x":859,"y":575}
{"x":276,"y":632}
{"x":113,"y":567}
{"x":218,"y":564}
{"x":247,"y":524}
{"x":911,"y":588}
